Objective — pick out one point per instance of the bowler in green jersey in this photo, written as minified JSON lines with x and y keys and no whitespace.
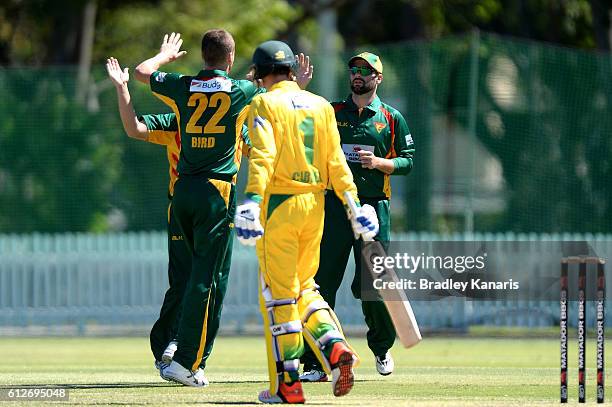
{"x":210,"y":108}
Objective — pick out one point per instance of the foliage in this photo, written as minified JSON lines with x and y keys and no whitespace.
{"x":568,"y":22}
{"x":543,"y":111}
{"x":133,"y":39}
{"x":67,"y":166}
{"x":57,"y":166}
{"x":119,"y":183}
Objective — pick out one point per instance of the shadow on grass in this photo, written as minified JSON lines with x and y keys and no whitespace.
{"x":123,"y":385}
{"x":86,"y":385}
{"x":135,"y":385}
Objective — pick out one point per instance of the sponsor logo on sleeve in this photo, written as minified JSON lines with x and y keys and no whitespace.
{"x":409,"y":139}
{"x":351,"y":151}
{"x":218,"y":84}
{"x":160,"y":77}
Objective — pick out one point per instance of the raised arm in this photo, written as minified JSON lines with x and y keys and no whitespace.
{"x":132,"y":126}
{"x":169,"y":51}
{"x":304,"y":71}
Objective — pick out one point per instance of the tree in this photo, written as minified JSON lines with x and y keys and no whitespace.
{"x":66,"y":166}
{"x":57,"y":166}
{"x":140,"y":194}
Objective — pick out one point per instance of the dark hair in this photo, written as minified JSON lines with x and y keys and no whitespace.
{"x":216,"y":46}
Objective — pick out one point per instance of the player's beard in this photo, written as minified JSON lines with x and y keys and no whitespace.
{"x":366,"y":87}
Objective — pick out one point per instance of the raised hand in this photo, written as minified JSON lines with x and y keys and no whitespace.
{"x":304,"y":70}
{"x":116,"y":75}
{"x":171,"y":47}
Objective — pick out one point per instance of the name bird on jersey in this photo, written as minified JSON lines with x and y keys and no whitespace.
{"x":210,"y":110}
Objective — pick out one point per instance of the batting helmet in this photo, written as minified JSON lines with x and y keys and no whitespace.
{"x":271,"y":57}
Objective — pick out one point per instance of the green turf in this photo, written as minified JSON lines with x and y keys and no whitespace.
{"x":438,"y":372}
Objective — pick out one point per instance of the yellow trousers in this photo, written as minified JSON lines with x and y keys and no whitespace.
{"x":291,"y":307}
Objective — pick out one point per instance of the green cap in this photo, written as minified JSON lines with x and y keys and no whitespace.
{"x":372,"y":60}
{"x":272,"y":54}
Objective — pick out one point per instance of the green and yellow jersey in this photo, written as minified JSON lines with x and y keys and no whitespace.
{"x":210,"y":110}
{"x":295,"y":144}
{"x":381,"y":129}
{"x":163,"y":130}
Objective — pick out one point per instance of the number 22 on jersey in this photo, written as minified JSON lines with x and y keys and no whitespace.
{"x":219,"y":101}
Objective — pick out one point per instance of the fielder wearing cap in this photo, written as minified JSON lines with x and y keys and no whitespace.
{"x":372,"y":60}
{"x":377,"y":144}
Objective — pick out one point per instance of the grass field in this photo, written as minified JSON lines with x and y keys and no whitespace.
{"x":438,"y":372}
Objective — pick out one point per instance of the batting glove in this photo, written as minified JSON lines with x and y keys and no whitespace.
{"x":246,"y":221}
{"x":365,"y":223}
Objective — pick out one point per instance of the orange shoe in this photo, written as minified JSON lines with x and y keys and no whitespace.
{"x":287,"y":394}
{"x":341,"y":361}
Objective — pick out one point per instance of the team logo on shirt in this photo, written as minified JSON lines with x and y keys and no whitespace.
{"x":218,"y":84}
{"x":379,"y":126}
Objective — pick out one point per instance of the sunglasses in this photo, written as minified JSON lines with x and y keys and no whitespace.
{"x":362,"y":70}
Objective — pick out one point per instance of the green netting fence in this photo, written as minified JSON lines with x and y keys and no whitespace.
{"x":511,"y":135}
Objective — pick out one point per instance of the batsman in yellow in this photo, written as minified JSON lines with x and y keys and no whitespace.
{"x":295,"y":154}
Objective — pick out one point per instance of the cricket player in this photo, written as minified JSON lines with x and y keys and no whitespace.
{"x":211,"y":108}
{"x":377,"y":143}
{"x":163,"y":129}
{"x":295,"y":154}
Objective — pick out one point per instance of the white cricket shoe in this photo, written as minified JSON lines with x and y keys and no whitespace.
{"x":199,"y":375}
{"x":179,"y":374}
{"x":169,"y":352}
{"x":160,"y":366}
{"x":385,"y":364}
{"x":313,"y":375}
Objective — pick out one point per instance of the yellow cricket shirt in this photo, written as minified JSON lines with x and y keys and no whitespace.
{"x":295,"y":145}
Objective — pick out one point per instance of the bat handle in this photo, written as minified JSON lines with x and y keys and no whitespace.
{"x":353,"y":208}
{"x":350,"y":202}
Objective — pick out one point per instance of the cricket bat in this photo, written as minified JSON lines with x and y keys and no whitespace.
{"x":396,"y":301}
